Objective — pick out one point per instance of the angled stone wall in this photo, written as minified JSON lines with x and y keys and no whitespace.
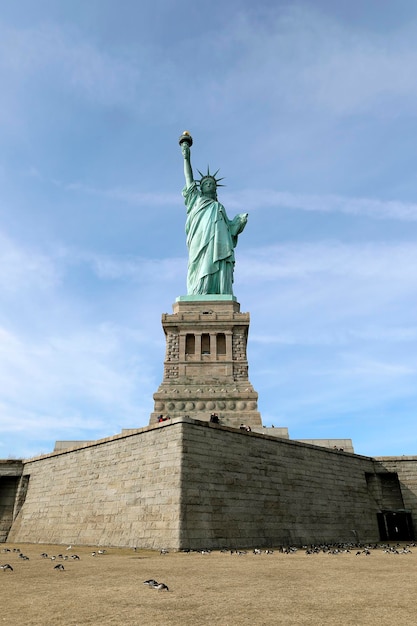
{"x":122,"y":491}
{"x":245,"y":489}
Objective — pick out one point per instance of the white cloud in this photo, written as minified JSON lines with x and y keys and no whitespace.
{"x":129,"y":196}
{"x":340,"y":336}
{"x":356,"y":74}
{"x":331,"y":297}
{"x":157,"y":271}
{"x":301,"y":58}
{"x":377,"y":370}
{"x":256,"y":199}
{"x":50,"y":51}
{"x":101,"y":373}
{"x":394,"y":262}
{"x":296,"y":58}
{"x":23,"y":269}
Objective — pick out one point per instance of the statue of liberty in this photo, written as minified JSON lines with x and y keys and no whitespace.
{"x":211,"y":236}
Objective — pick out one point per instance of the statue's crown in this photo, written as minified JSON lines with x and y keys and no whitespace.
{"x":208,"y":175}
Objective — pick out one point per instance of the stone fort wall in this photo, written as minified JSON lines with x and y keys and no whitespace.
{"x":190,"y":484}
{"x":245,"y":489}
{"x":121,"y":491}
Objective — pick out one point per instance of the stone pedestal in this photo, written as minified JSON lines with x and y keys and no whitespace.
{"x":206,"y":366}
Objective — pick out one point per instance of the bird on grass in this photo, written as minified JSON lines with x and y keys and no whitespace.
{"x":154,"y":584}
{"x":6,"y":567}
{"x":59,"y":567}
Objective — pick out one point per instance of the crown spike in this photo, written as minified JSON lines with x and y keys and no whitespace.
{"x":208,"y":175}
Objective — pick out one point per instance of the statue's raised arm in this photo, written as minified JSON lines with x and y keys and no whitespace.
{"x":186,"y":142}
{"x":211,"y":236}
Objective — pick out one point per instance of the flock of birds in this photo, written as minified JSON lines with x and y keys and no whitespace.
{"x":360,"y":549}
{"x":58,"y":567}
{"x":332,"y":548}
{"x":325,"y":548}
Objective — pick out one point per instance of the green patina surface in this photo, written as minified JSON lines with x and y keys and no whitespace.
{"x":211,"y":235}
{"x":207,"y":298}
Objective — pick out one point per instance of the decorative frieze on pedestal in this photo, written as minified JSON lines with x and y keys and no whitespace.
{"x":206,"y":366}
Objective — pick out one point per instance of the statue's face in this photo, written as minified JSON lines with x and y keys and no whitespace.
{"x":208,"y":187}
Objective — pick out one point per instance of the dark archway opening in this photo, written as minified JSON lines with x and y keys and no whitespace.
{"x":395,"y":525}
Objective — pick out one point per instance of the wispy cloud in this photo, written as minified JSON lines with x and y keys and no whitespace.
{"x":297,"y":57}
{"x":23,"y":269}
{"x":339,"y":337}
{"x":100,"y":371}
{"x":50,"y":51}
{"x":130,"y":196}
{"x":161,"y":271}
{"x":256,"y":199}
{"x":303,"y":58}
{"x":396,"y":262}
{"x":331,"y":295}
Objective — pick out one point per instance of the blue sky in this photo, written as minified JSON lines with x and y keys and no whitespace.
{"x":310,"y":112}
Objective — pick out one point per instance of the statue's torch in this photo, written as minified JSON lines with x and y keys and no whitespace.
{"x":186,"y":138}
{"x":185,"y":141}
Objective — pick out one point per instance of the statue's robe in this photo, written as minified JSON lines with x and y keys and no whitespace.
{"x":211,"y":239}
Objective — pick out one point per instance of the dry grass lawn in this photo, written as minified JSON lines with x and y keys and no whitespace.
{"x":218,"y":588}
